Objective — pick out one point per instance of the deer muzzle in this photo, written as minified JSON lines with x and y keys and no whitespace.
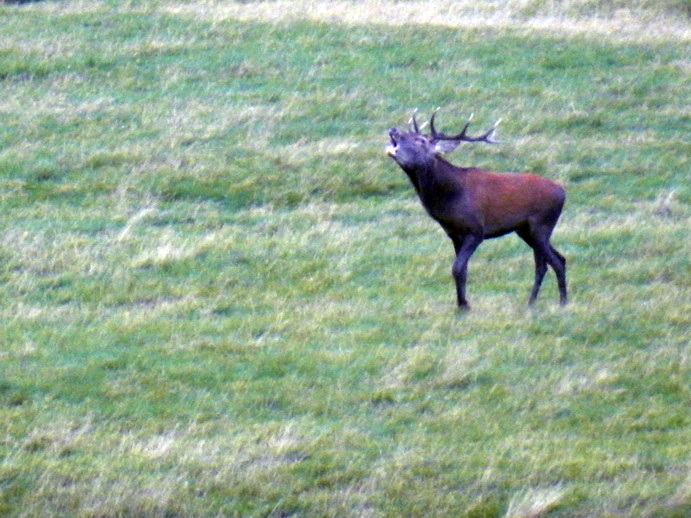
{"x":391,"y":148}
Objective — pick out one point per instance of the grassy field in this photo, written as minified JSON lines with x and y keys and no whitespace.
{"x":220,"y":298}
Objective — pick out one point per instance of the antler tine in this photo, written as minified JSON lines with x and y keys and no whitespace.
{"x":433,"y":132}
{"x":412,"y":123}
{"x":442,"y":136}
{"x":488,"y":137}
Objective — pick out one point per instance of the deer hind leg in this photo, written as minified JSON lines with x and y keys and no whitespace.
{"x":560,"y":271}
{"x":538,"y":238}
{"x":540,"y":263}
{"x":558,"y":264}
{"x":540,"y":271}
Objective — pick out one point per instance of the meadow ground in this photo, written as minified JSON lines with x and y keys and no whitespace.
{"x":220,"y":298}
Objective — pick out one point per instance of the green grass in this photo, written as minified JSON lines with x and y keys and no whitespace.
{"x":220,"y":297}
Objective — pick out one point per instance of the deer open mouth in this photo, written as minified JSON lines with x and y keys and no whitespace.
{"x":391,"y":148}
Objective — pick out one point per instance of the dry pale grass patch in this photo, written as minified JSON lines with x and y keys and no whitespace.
{"x":578,"y":382}
{"x":534,"y":502}
{"x":103,"y":496}
{"x":238,"y":455}
{"x":170,"y":249}
{"x":523,"y":14}
{"x":58,"y":105}
{"x":226,"y":459}
{"x":636,"y":21}
{"x":43,"y":253}
{"x":60,"y":436}
{"x":683,"y":494}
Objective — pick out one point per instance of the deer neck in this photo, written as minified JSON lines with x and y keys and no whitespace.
{"x":436,"y":182}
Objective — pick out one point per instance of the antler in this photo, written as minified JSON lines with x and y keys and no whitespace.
{"x":488,"y":137}
{"x":412,"y":123}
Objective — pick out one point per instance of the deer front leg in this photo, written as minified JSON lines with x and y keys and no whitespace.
{"x":465,"y":246}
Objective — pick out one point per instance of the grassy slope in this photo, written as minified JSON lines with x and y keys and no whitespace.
{"x":219,"y":296}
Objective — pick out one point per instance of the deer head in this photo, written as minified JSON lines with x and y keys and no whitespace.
{"x":412,"y":148}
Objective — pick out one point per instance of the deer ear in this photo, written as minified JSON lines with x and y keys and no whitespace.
{"x":445,"y":146}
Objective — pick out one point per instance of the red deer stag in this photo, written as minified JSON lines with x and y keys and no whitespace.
{"x":473,"y":204}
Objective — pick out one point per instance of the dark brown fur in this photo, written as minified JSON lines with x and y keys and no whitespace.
{"x":472,"y":204}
